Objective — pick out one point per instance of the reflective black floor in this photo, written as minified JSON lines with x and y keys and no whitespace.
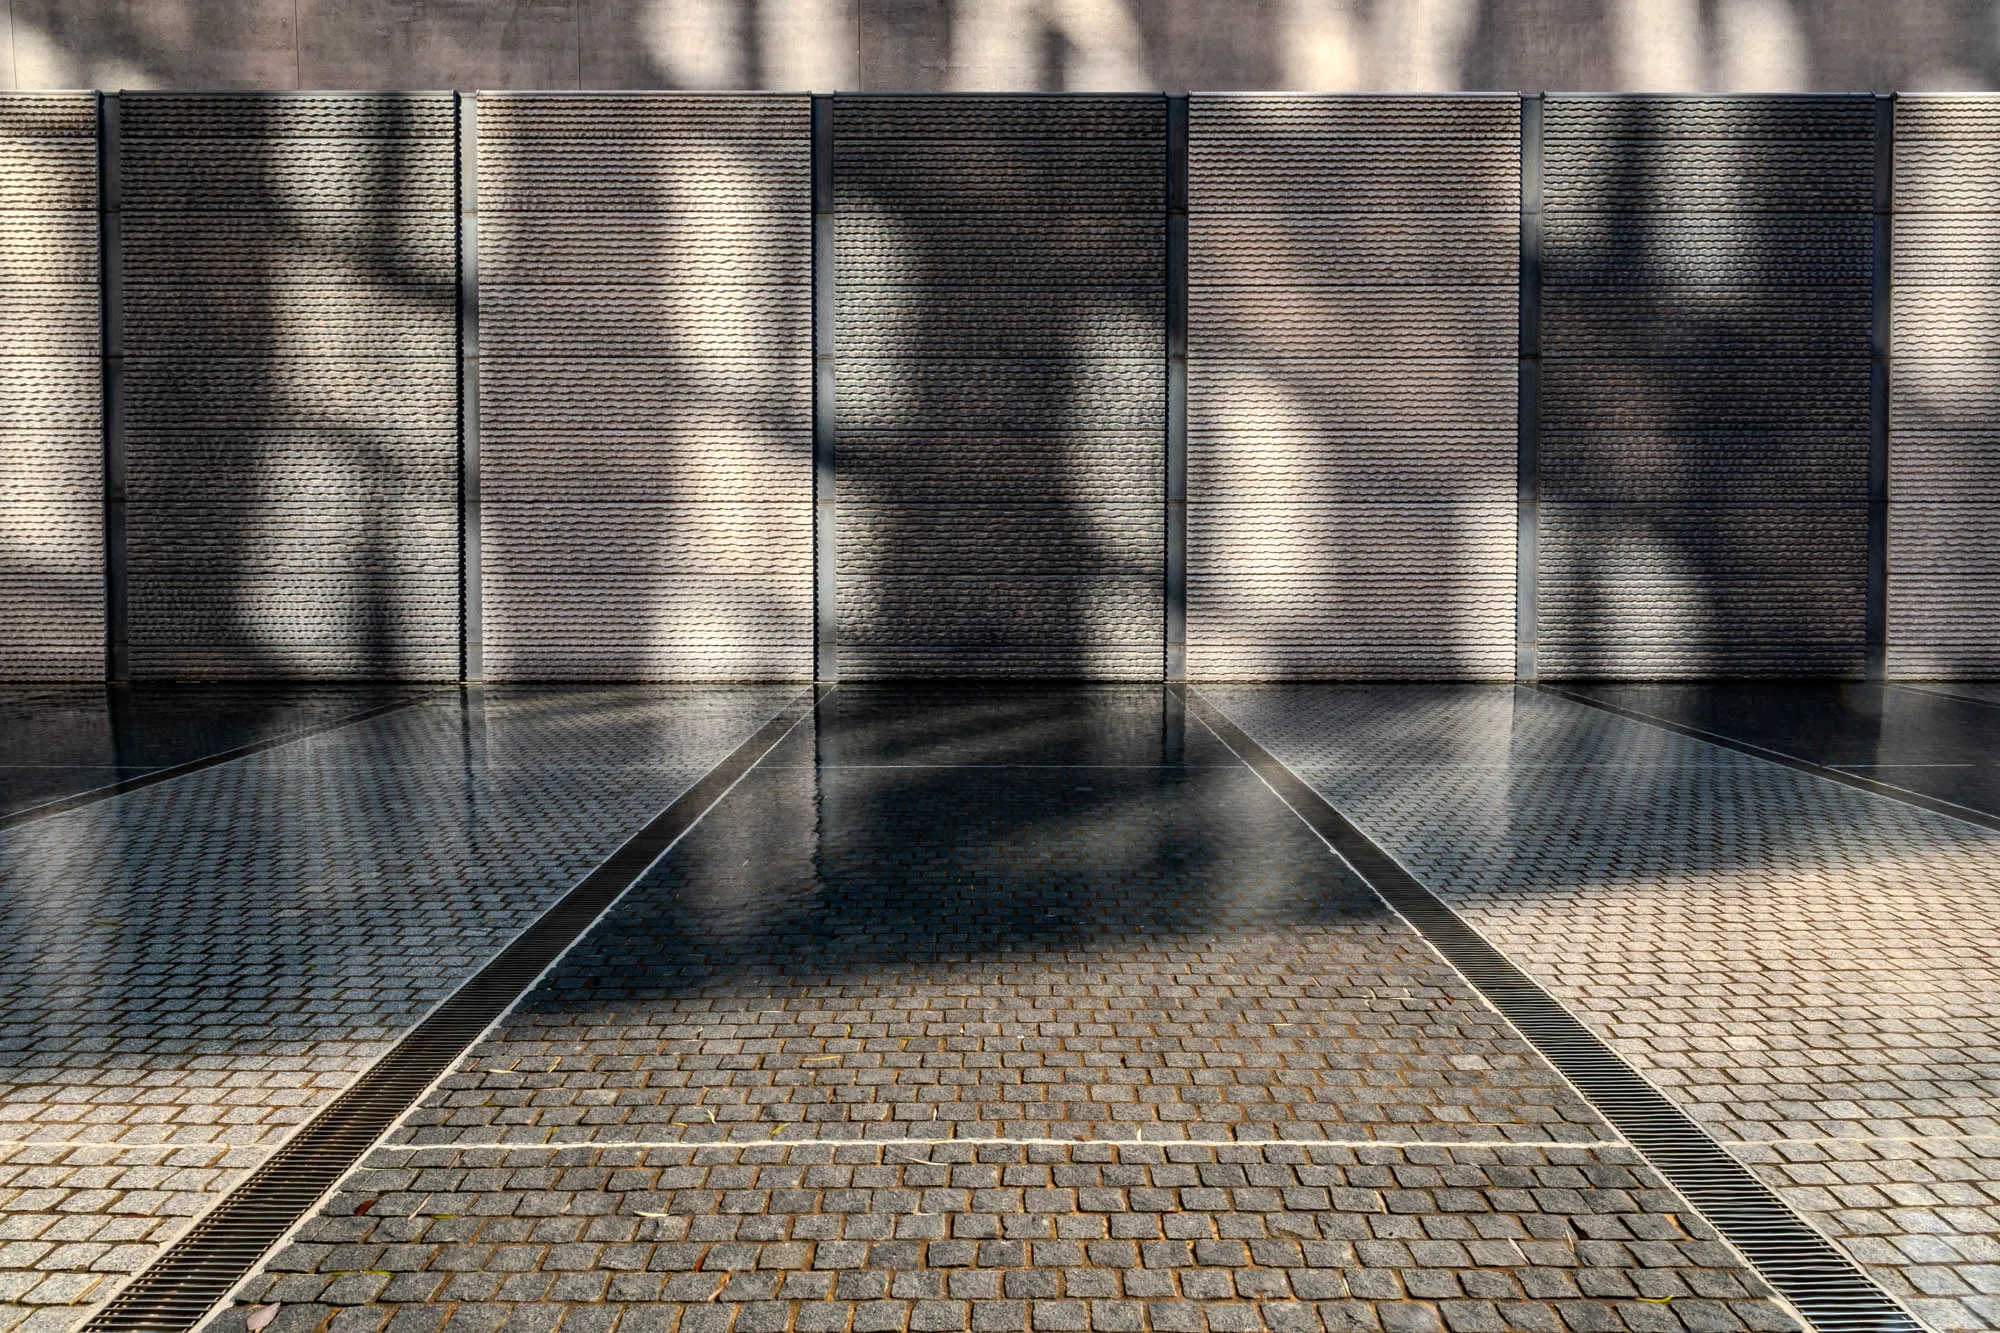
{"x":1002,"y":913}
{"x":1032,"y":1008}
{"x":1940,"y":741}
{"x":58,"y":741}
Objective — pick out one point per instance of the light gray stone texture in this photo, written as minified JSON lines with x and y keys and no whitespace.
{"x":1014,"y":45}
{"x":191,"y":45}
{"x":51,"y":443}
{"x":461,"y":44}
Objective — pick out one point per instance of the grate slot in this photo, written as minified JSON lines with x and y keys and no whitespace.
{"x":198,"y":1270}
{"x":1828,"y":1288}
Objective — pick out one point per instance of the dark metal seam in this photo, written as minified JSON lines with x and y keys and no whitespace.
{"x":472,"y":633}
{"x":1879,"y":368}
{"x":1528,"y":393}
{"x":182,"y":1284}
{"x":1821,"y":1282}
{"x":111,"y":334}
{"x":159,"y":775}
{"x":826,"y":611}
{"x":1872,"y":786}
{"x":1177,"y":391}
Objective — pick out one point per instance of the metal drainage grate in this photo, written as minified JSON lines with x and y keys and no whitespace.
{"x":1828,"y":1288}
{"x":168,"y":774}
{"x":200,"y":1268}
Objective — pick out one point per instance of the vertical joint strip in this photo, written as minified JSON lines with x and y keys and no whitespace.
{"x":1527,"y":421}
{"x":1177,"y":346}
{"x":111,"y":332}
{"x":1879,"y":366}
{"x":471,"y":662}
{"x":826,"y":618}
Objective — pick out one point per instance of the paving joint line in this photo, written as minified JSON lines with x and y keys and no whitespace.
{"x":195,"y":1275}
{"x":77,"y":800}
{"x":1936,"y":692}
{"x":1584,"y":1145}
{"x":1872,"y":1138}
{"x":1814,"y":1278}
{"x":1934,"y":804}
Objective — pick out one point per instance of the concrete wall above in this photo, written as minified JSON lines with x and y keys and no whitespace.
{"x":1007,"y":45}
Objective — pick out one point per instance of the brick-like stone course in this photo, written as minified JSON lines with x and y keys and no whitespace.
{"x":952,"y":1236}
{"x":1021,"y":1011}
{"x":192,"y":969}
{"x":1811,"y":971}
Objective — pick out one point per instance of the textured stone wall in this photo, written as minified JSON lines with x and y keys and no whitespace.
{"x":1351,"y":384}
{"x":291,"y":395}
{"x":1000,"y":342}
{"x":646,"y":386}
{"x":51,"y":446}
{"x":1944,"y":441}
{"x":1705,"y":386}
{"x":290,"y":402}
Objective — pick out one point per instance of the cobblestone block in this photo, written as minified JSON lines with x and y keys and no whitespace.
{"x":1811,"y":971}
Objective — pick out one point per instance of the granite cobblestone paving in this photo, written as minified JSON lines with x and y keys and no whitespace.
{"x":1812,"y":971}
{"x":956,"y":1235}
{"x":987,"y":1010}
{"x":192,"y":969}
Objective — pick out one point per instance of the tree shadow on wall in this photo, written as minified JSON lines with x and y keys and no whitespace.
{"x":1704,"y":430}
{"x":290,"y":317}
{"x":1000,"y":329}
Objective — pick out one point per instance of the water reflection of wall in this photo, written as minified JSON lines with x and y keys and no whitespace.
{"x":51,"y":453}
{"x":1351,"y":367}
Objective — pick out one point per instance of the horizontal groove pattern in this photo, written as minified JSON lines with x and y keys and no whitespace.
{"x":254,"y":116}
{"x":290,"y":384}
{"x":51,"y":445}
{"x":1730,"y":154}
{"x":1351,"y":385}
{"x":1944,"y":389}
{"x":1714,"y":586}
{"x":962,"y":467}
{"x":1706,"y":317}
{"x":645,"y":386}
{"x":999,"y":328}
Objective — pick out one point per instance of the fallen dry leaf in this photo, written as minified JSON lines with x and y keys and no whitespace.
{"x":261,"y":1317}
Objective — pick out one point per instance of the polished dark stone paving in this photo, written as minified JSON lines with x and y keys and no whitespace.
{"x":59,"y":741}
{"x":1940,"y":741}
{"x":1007,"y":1008}
{"x":992,"y":1009}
